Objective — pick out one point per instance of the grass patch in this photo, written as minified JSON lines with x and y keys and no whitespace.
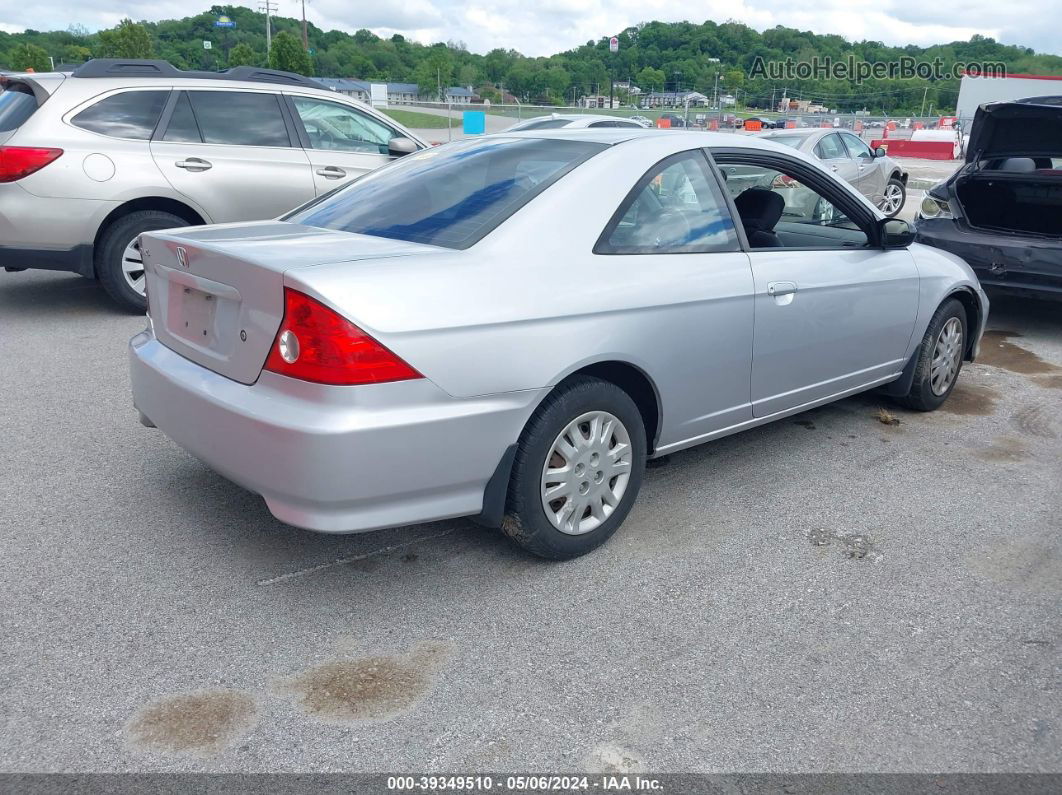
{"x":421,"y":121}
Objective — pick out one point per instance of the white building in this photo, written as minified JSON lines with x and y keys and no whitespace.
{"x":974,"y":91}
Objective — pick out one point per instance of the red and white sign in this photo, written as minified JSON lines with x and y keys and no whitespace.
{"x":613,"y":44}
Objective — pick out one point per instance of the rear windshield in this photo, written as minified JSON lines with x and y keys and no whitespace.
{"x":16,"y":105}
{"x":544,"y":124}
{"x":787,"y":140}
{"x":449,"y":196}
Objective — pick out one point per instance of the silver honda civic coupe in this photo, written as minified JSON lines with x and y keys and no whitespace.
{"x":509,"y":327}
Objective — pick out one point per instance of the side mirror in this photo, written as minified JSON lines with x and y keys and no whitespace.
{"x":896,"y":233}
{"x":397,"y":147}
{"x":879,"y":152}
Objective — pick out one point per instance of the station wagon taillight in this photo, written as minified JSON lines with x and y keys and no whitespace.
{"x":17,"y":162}
{"x":315,"y":343}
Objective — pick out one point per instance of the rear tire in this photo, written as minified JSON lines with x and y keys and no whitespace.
{"x":594,"y":479}
{"x":117,"y":253}
{"x":940,"y":358}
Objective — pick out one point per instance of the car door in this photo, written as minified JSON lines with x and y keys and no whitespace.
{"x":674,"y":228}
{"x":870,"y":177}
{"x":833,"y":313}
{"x":342,"y":142}
{"x":233,"y":153}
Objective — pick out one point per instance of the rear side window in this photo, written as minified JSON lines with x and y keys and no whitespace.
{"x":241,"y":118}
{"x":183,"y":127}
{"x":132,"y":114}
{"x":676,"y":208}
{"x":16,"y":105}
{"x":831,"y":148}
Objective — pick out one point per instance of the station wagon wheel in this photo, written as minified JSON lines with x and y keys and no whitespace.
{"x":577,"y":471}
{"x":586,"y":472}
{"x":894,"y":197}
{"x":118,"y":261}
{"x":133,"y":266}
{"x":938,"y":359}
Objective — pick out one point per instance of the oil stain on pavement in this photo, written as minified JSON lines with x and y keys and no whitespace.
{"x":202,"y":723}
{"x":369,"y":688}
{"x":971,"y":401}
{"x":998,"y":351}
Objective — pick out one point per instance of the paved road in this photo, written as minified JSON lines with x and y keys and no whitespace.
{"x":827,"y":593}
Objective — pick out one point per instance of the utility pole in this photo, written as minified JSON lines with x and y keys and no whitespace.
{"x":715,"y":95}
{"x":926,"y":91}
{"x":269,"y":7}
{"x":305,"y":40}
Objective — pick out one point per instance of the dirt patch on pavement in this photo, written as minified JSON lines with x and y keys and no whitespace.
{"x":969,"y":400}
{"x":998,"y":351}
{"x":194,"y":722}
{"x":369,"y":688}
{"x":1004,"y":448}
{"x":1050,"y":381}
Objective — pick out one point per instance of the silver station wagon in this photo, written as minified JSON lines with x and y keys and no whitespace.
{"x":509,"y":327}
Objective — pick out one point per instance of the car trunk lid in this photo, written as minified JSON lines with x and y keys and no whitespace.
{"x":216,"y":294}
{"x":1025,"y":128}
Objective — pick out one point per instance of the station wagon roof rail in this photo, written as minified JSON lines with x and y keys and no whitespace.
{"x":125,"y":67}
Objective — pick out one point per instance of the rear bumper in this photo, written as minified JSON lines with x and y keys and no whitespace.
{"x":48,"y":233}
{"x":999,"y":260}
{"x":332,"y":459}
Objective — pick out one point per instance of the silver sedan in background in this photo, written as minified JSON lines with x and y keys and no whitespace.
{"x":510,"y":327}
{"x":870,"y":171}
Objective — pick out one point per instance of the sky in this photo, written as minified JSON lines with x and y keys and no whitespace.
{"x":544,"y":27}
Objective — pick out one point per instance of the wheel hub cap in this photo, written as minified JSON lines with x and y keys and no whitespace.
{"x":133,"y":265}
{"x":586,"y":472}
{"x":947,"y":356}
{"x":893,"y":197}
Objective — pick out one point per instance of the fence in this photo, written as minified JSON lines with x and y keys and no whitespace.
{"x":442,"y":121}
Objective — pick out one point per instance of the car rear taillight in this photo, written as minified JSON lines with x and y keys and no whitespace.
{"x":315,"y":343}
{"x":17,"y":162}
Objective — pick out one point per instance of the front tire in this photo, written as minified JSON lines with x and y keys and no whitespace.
{"x":894,"y":198}
{"x":118,"y":262}
{"x":940,"y":358}
{"x":578,"y":468}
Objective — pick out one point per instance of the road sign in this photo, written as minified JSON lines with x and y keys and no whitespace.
{"x":224,"y":22}
{"x":207,"y":45}
{"x":613,"y":44}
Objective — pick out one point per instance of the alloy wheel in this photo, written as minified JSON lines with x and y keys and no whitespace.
{"x":947,"y":355}
{"x":133,"y":266}
{"x":893,"y":199}
{"x":586,"y":472}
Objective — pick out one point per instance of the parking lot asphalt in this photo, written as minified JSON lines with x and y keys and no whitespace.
{"x":826,"y":593}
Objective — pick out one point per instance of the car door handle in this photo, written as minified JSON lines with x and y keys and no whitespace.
{"x":331,"y":172}
{"x":778,"y":289}
{"x":194,"y":164}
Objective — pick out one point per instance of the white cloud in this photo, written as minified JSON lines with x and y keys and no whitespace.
{"x":543,"y":27}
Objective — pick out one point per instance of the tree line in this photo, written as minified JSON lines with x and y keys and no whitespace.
{"x":711,"y":58}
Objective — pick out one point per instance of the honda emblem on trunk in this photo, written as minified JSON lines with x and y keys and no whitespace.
{"x":182,"y":257}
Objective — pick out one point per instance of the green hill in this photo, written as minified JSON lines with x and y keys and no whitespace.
{"x":653,"y":55}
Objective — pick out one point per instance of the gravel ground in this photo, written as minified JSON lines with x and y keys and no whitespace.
{"x":826,"y":593}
